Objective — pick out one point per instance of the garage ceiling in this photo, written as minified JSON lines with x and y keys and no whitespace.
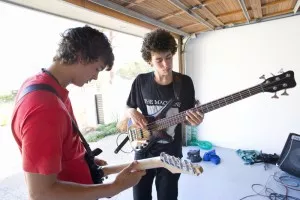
{"x":181,"y":17}
{"x":186,"y":17}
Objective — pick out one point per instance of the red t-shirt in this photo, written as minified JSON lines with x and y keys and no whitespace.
{"x":43,"y":131}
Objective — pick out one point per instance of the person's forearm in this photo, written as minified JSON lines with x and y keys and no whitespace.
{"x":129,"y":111}
{"x":122,"y":124}
{"x":73,"y":191}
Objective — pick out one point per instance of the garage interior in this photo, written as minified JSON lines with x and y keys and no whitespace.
{"x":226,"y":47}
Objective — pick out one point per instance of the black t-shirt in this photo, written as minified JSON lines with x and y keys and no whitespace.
{"x":150,"y":98}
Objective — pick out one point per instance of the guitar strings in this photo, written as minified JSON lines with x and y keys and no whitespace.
{"x":163,"y":123}
{"x":215,"y":104}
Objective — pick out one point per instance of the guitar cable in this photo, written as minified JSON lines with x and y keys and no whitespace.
{"x":287,"y":181}
{"x":119,"y":146}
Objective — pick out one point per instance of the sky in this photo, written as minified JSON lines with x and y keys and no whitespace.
{"x":28,"y":41}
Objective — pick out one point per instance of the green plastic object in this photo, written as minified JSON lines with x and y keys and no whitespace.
{"x":192,"y":139}
{"x":205,"y":145}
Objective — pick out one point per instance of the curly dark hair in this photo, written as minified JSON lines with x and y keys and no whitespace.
{"x":86,"y":42}
{"x":158,"y":40}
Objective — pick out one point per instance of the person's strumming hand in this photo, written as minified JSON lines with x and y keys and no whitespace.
{"x":137,"y":118}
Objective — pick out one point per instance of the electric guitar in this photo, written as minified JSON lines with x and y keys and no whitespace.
{"x":173,"y":164}
{"x":142,"y":139}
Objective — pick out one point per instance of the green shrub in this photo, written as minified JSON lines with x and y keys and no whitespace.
{"x":94,"y":136}
{"x":102,"y":131}
{"x":132,"y":69}
{"x":101,"y":127}
{"x":7,"y":98}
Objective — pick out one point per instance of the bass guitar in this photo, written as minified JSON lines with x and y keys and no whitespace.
{"x":142,"y":138}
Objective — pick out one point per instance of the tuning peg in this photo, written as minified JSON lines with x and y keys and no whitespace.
{"x":262,"y":77}
{"x":275,"y":96}
{"x":281,"y":71}
{"x":272,"y":74}
{"x":285,"y":93}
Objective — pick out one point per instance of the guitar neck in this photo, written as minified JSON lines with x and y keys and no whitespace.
{"x":143,"y":164}
{"x":180,"y":117}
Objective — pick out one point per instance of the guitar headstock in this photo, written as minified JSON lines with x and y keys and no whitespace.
{"x":281,"y":82}
{"x":176,"y":165}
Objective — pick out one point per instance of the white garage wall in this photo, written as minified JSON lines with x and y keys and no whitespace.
{"x":230,"y":60}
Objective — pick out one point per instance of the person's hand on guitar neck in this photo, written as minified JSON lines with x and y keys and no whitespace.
{"x":137,"y":118}
{"x":193,"y":118}
{"x":129,"y":176}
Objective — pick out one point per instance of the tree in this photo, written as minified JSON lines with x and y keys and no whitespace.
{"x":131,"y":70}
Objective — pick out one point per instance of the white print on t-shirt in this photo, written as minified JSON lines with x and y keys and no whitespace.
{"x":160,"y":102}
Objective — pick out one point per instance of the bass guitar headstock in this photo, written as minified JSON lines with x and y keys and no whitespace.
{"x":282,"y":81}
{"x":176,"y":165}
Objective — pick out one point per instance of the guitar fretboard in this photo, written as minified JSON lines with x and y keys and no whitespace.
{"x":205,"y":108}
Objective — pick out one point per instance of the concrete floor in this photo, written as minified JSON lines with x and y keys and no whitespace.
{"x":230,"y":180}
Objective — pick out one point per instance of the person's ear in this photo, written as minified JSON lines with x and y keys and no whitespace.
{"x":80,"y":60}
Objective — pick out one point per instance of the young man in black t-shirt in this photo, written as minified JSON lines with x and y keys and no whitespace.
{"x":149,"y":93}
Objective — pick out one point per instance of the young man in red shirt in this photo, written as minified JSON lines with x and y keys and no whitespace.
{"x":53,"y":155}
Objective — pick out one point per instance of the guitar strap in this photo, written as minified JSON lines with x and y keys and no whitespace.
{"x":177,"y":85}
{"x":95,"y":170}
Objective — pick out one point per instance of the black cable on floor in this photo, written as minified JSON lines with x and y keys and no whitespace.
{"x":118,"y":144}
{"x":287,"y":181}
